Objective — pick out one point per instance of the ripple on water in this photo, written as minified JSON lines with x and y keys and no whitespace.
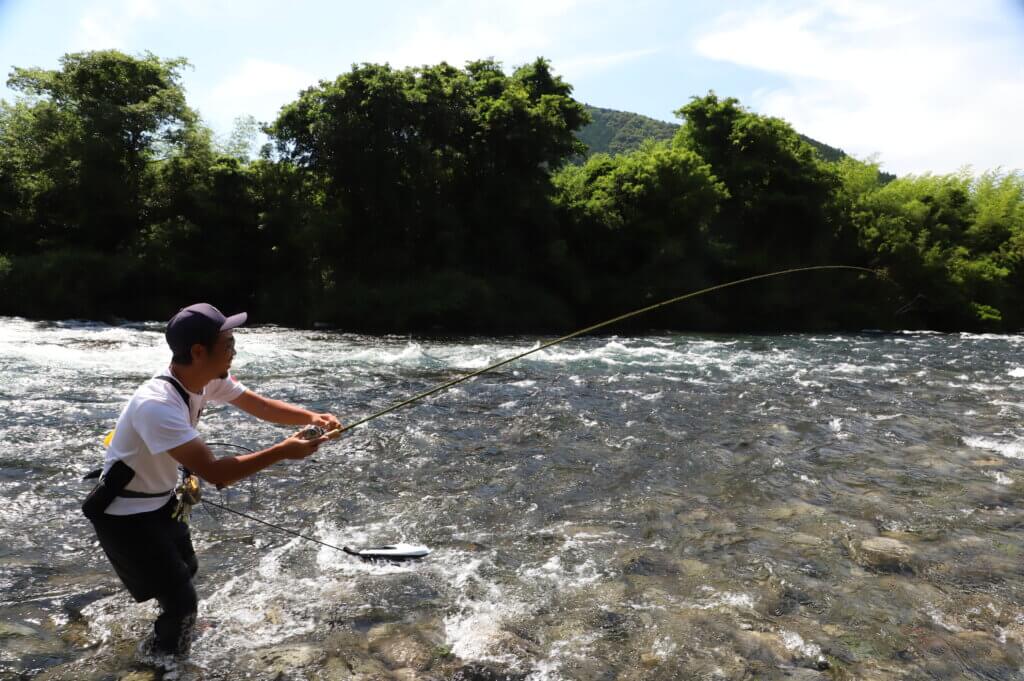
{"x":672,"y":506}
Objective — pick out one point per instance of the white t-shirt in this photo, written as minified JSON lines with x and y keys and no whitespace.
{"x":154,"y":421}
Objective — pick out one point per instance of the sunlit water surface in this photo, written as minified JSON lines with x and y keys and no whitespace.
{"x":657,"y":507}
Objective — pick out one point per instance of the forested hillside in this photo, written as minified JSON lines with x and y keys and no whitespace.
{"x":619,"y":132}
{"x":444,"y":199}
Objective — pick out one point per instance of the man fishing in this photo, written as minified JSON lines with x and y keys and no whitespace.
{"x":141,"y":525}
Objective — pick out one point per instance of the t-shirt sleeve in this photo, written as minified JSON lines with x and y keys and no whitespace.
{"x":162,"y":426}
{"x":224,"y":390}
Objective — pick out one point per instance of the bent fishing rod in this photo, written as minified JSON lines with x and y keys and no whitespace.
{"x":337,"y":432}
{"x":678,"y":299}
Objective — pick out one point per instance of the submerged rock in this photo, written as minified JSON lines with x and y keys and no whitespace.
{"x":400,"y":647}
{"x":479,"y":672}
{"x":282,"y":661}
{"x":649,"y":565}
{"x":886,"y":554}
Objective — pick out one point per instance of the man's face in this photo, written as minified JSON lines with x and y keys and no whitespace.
{"x":221,"y":354}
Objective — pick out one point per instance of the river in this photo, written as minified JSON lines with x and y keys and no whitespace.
{"x":655,"y":507}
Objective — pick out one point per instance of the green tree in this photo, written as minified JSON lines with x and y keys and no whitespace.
{"x":89,"y":130}
{"x":429,"y":170}
{"x":949,"y":241}
{"x":639,"y":225}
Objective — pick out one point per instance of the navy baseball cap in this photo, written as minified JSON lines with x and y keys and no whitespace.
{"x":199,"y":323}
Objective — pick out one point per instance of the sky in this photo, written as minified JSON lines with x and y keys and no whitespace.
{"x":920,"y":86}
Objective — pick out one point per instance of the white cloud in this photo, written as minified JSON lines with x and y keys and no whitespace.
{"x":928,"y":86}
{"x":457,"y":31}
{"x":583,"y":65}
{"x":257,"y":87}
{"x":109,"y":25}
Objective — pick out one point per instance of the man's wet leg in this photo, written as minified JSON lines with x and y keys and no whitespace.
{"x":175,"y":626}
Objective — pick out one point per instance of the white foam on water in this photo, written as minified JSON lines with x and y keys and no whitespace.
{"x":259,"y":608}
{"x":562,"y":651}
{"x":836,"y":426}
{"x":939,"y":618}
{"x":1011,"y":450}
{"x":664,"y":648}
{"x":412,"y":354}
{"x":561,"y":577}
{"x":1018,"y":372}
{"x":276,"y":600}
{"x":1000,"y":478}
{"x":860,"y":369}
{"x":1015,"y":339}
{"x":472,"y":631}
{"x":725,"y":599}
{"x":795,"y":642}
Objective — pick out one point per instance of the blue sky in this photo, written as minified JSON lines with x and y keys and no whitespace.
{"x":923,"y":86}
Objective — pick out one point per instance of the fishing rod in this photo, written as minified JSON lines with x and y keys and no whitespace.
{"x":404,"y":551}
{"x":678,"y":299}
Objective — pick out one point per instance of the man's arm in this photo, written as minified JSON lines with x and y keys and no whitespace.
{"x":197,"y":457}
{"x":286,"y":414}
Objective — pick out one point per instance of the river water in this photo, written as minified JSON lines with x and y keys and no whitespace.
{"x":657,"y":507}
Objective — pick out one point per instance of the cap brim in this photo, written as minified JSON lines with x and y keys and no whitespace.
{"x":233,"y":321}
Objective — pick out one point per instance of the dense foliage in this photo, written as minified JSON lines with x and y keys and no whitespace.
{"x":620,"y":132}
{"x":444,"y":198}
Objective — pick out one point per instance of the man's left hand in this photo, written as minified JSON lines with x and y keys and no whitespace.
{"x":328,"y":422}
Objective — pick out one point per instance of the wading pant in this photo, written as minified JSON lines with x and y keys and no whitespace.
{"x":152,"y":554}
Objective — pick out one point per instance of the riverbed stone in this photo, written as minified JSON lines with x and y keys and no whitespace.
{"x":409,"y":674}
{"x":802,"y":539}
{"x":794,"y":509}
{"x":482,"y":672}
{"x":761,"y":646}
{"x":887,"y":554}
{"x":692,"y":567}
{"x":399,"y":646}
{"x":649,"y":565}
{"x":140,"y":675}
{"x":283,"y":660}
{"x":16,"y":629}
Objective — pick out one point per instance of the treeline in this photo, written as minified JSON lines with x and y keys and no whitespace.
{"x":442,"y":199}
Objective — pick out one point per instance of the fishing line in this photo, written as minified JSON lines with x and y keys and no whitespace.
{"x":595,"y":327}
{"x":444,"y":386}
{"x":276,"y":527}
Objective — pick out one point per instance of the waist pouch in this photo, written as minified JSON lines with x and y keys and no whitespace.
{"x":110,"y":486}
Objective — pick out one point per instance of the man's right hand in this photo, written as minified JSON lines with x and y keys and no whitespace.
{"x":296,"y":447}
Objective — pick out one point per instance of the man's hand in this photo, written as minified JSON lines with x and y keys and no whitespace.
{"x":296,"y":447}
{"x":328,"y":422}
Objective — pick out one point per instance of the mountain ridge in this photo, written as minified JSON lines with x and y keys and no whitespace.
{"x":612,"y":131}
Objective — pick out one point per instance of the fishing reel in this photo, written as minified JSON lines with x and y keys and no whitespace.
{"x":314,"y":432}
{"x":311,"y":432}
